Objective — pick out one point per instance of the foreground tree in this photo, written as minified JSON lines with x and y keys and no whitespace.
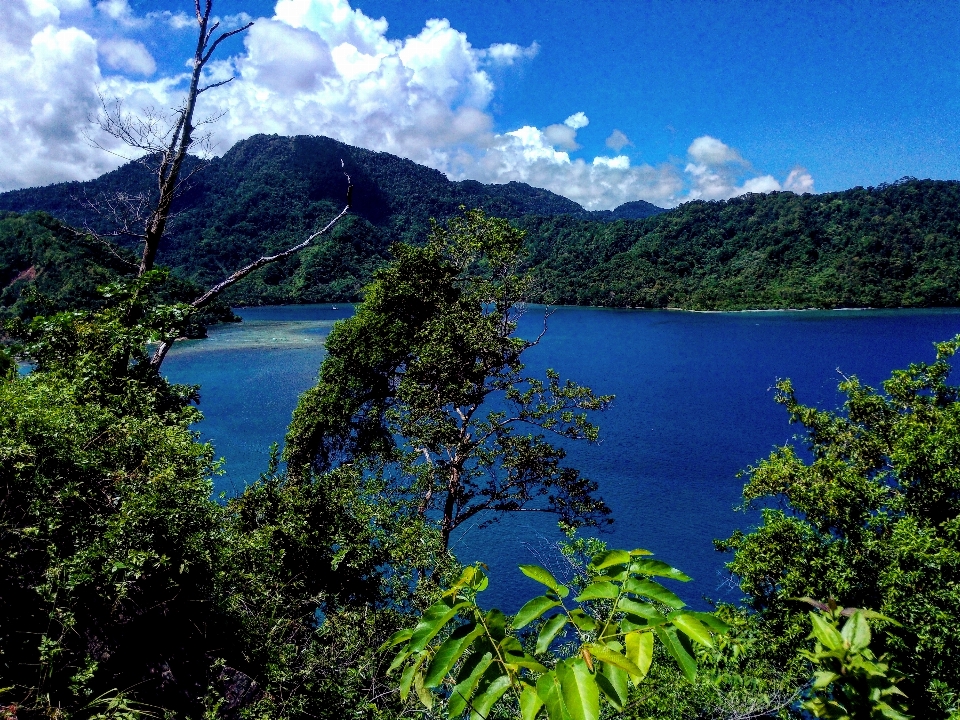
{"x":871,"y":517}
{"x":425,"y":387}
{"x":127,"y":588}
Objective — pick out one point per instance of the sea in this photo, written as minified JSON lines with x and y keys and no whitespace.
{"x":694,"y":410}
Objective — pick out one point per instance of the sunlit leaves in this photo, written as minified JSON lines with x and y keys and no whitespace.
{"x":850,"y":681}
{"x":612,"y":623}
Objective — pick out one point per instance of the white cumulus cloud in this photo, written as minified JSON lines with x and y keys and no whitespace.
{"x":509,"y":53}
{"x":127,"y":55}
{"x":709,"y":151}
{"x":617,"y":141}
{"x":799,"y":181}
{"x":322,"y":67}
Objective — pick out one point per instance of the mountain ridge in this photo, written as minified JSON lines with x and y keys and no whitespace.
{"x":893,"y":245}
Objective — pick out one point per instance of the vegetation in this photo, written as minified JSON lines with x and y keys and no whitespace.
{"x":869,"y":515}
{"x":621,"y":613}
{"x":47,"y":268}
{"x":425,"y":386}
{"x":890,"y":246}
{"x":850,"y":682}
{"x":127,"y":587}
{"x":129,"y":590}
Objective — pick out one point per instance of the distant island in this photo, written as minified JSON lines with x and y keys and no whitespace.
{"x":895,"y":245}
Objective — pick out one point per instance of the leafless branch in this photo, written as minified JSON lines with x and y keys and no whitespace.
{"x":167,"y":343}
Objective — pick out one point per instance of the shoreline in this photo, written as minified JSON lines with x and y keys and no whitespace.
{"x":342,"y":306}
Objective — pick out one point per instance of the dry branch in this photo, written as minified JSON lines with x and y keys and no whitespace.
{"x":167,"y":343}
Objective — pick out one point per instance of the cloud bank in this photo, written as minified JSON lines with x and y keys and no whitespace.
{"x":321,"y":67}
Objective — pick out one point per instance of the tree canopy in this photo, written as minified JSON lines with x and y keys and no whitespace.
{"x":425,"y":385}
{"x":869,"y":514}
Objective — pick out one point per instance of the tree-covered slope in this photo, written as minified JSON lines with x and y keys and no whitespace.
{"x":268,"y":192}
{"x":889,"y":246}
{"x":895,"y":245}
{"x":66,"y":268}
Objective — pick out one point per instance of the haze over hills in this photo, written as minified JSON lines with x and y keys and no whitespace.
{"x":890,"y":246}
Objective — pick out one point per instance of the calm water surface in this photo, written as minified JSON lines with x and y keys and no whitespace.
{"x":694,"y":407}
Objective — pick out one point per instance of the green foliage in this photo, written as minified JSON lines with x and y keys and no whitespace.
{"x":120,"y":571}
{"x":872,"y":516}
{"x":425,"y":387}
{"x":850,"y":681}
{"x":46,"y":268}
{"x":107,"y":530}
{"x":890,"y":246}
{"x":593,"y":646}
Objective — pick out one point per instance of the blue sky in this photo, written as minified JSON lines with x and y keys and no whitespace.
{"x":601,"y":102}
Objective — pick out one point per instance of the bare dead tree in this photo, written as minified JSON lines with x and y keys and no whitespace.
{"x":167,"y":343}
{"x":148,"y":131}
{"x":164,"y":146}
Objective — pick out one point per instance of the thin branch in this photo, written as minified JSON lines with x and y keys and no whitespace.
{"x":221,"y":38}
{"x":215,"y":85}
{"x":167,"y":343}
{"x":265,"y":260}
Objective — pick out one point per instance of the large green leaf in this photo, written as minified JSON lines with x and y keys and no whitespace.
{"x":397,"y":637}
{"x":612,"y":657}
{"x":549,"y":632}
{"x":530,"y":702}
{"x":826,"y":633}
{"x":488,"y":695}
{"x":473,"y":670}
{"x":543,"y":576}
{"x":856,"y":631}
{"x":583,"y":621}
{"x":548,"y":690}
{"x":645,"y":566}
{"x":426,"y":697}
{"x":496,"y":623}
{"x":609,"y":558}
{"x":432,"y":622}
{"x":409,"y":673}
{"x":612,"y":682}
{"x":598,"y":591}
{"x":532,"y":610}
{"x":711,"y":621}
{"x":654,"y":591}
{"x":692,"y":628}
{"x":678,"y":650}
{"x":643,"y":610}
{"x":514,"y":654}
{"x":639,"y":650}
{"x":399,"y":660}
{"x":450,"y":652}
{"x":581,"y":696}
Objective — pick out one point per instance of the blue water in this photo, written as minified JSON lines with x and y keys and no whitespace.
{"x":694,"y":407}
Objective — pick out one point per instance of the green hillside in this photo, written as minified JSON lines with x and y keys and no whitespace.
{"x":268,"y":192}
{"x":66,"y":268}
{"x":890,"y":246}
{"x":895,"y":245}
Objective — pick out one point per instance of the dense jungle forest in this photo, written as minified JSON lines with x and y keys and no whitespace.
{"x":888,"y":246}
{"x":326,"y":587}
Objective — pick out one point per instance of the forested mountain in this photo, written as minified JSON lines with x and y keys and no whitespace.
{"x":889,"y":246}
{"x":895,"y":245}
{"x":269,"y":192}
{"x":67,"y":267}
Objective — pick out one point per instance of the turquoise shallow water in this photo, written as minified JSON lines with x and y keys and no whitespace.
{"x":693,"y":409}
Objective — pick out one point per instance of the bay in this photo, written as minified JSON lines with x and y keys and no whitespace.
{"x":694,"y":408}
